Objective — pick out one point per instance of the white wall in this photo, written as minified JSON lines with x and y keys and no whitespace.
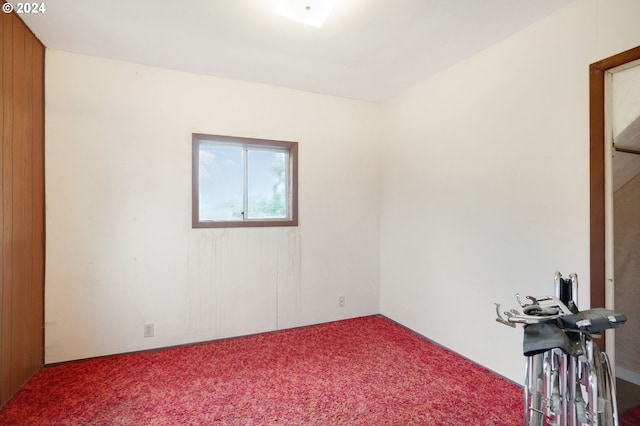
{"x":486,"y":181}
{"x":484,"y":192}
{"x":120,"y":248}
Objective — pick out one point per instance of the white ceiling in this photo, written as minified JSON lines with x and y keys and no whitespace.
{"x":367,"y":49}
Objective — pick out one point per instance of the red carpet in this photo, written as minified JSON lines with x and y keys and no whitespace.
{"x":364,"y":371}
{"x":631,"y":417}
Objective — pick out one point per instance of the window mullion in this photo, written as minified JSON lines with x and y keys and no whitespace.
{"x":287,"y":183}
{"x":245,"y":184}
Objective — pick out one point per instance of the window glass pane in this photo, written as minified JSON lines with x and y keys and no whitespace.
{"x":266,"y":184}
{"x":220,"y":182}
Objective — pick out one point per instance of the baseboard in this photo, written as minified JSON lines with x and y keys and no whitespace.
{"x":628,"y":375}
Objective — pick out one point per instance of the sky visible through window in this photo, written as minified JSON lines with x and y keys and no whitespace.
{"x":221,"y":183}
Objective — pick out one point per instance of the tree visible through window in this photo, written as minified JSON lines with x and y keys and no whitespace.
{"x":243,"y":182}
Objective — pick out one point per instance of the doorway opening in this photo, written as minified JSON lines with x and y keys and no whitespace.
{"x":614,"y":171}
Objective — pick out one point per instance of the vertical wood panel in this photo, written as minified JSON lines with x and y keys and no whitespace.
{"x":38,"y":247}
{"x":2,"y":101}
{"x":26,"y":317}
{"x":22,"y":208}
{"x":7,"y":197}
{"x":17,"y":206}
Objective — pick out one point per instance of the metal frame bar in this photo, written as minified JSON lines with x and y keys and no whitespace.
{"x":626,"y":150}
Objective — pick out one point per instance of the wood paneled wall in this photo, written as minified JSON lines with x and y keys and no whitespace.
{"x":22,"y":207}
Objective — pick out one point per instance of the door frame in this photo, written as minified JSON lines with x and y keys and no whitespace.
{"x":597,"y":177}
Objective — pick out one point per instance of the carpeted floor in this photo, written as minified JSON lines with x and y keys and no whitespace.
{"x":630,"y":417}
{"x":628,"y":398}
{"x":364,"y":371}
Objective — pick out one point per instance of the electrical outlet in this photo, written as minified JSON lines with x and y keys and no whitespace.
{"x":148,"y":330}
{"x":341,"y":301}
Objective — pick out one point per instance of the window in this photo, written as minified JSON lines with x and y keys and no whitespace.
{"x":244,"y":182}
